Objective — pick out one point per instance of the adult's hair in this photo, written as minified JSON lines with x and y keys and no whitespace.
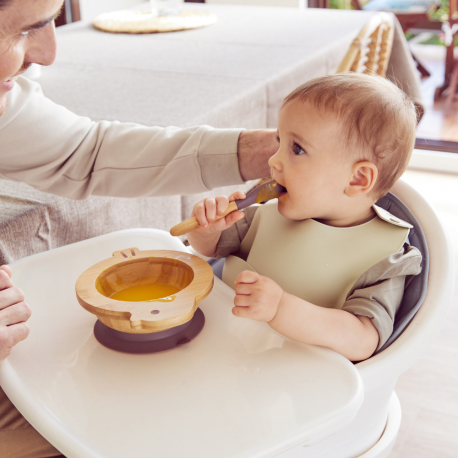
{"x":4,"y":3}
{"x":378,"y":120}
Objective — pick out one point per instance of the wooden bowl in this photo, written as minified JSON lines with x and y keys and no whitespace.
{"x":191,"y":275}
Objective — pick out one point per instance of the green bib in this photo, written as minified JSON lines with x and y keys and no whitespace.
{"x":311,"y":260}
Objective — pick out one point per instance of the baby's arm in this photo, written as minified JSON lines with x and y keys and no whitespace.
{"x":262,"y":299}
{"x":204,"y":239}
{"x":354,"y":337}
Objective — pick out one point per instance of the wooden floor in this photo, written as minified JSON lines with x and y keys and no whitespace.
{"x":436,"y":123}
{"x":429,"y":390}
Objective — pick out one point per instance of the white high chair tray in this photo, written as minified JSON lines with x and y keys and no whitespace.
{"x":237,"y":390}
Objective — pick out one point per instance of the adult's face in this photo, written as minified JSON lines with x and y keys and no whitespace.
{"x":27,"y":36}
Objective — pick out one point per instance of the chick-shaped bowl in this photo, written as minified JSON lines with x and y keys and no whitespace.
{"x":141,"y":292}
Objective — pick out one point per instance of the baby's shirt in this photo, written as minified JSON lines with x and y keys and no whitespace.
{"x":376,"y":294}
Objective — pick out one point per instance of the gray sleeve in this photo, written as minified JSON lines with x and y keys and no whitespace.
{"x":378,"y":293}
{"x":231,"y":238}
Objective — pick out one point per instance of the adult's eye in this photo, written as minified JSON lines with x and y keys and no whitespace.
{"x":297,"y":150}
{"x":22,"y":35}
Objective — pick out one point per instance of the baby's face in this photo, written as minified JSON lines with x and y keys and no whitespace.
{"x":312,"y":163}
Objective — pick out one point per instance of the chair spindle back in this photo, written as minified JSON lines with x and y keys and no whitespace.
{"x":370,"y":51}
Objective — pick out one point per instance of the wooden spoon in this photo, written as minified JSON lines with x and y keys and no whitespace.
{"x":260,"y":195}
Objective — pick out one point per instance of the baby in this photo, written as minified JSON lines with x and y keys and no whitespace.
{"x":323,"y":265}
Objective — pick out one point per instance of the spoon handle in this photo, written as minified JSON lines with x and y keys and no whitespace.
{"x":191,"y":224}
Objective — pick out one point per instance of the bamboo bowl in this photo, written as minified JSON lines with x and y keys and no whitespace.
{"x":131,"y":267}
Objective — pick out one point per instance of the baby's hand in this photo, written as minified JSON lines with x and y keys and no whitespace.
{"x":208,"y":210}
{"x":257,"y":297}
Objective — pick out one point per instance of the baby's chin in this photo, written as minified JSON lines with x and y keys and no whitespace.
{"x":285,"y":209}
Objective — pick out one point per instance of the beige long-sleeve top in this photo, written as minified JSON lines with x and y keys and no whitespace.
{"x":377,"y":294}
{"x":54,"y":150}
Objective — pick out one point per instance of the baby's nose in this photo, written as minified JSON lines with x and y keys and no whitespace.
{"x":274,"y":162}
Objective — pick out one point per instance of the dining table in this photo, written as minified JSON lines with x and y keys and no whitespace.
{"x":233,"y":74}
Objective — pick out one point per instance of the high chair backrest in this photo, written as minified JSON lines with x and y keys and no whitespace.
{"x":408,"y":347}
{"x":370,"y":51}
{"x":415,"y":291}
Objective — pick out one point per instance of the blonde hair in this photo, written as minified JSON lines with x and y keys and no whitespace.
{"x":377,"y":118}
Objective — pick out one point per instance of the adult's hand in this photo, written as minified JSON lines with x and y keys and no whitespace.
{"x":14,"y":313}
{"x":254,"y":149}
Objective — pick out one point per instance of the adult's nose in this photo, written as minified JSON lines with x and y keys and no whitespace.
{"x":42,"y":47}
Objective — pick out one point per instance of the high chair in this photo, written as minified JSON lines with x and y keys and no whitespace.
{"x":236,"y":391}
{"x":373,"y":432}
{"x":381,"y":409}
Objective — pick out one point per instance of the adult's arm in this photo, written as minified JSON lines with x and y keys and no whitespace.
{"x":54,"y":150}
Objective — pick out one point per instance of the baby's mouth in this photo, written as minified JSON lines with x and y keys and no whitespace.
{"x":281,"y":189}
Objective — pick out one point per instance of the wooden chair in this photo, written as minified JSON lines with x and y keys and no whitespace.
{"x":370,"y":51}
{"x":407,"y":17}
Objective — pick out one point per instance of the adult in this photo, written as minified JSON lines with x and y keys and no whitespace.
{"x":56,"y":151}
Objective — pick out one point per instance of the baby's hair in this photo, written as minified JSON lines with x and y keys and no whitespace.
{"x":378,"y":120}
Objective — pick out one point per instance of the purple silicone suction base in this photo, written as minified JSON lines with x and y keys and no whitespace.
{"x":153,"y":342}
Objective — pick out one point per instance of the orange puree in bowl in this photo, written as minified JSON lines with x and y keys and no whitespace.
{"x":140,"y":293}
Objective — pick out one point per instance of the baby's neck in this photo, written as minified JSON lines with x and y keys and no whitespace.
{"x":350,"y":220}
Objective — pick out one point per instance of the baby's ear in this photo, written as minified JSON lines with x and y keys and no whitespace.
{"x":364,"y":177}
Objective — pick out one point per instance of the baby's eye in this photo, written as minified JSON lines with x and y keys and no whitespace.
{"x":278,"y":138}
{"x":297,"y":150}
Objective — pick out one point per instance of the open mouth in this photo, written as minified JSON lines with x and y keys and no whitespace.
{"x":282,"y":189}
